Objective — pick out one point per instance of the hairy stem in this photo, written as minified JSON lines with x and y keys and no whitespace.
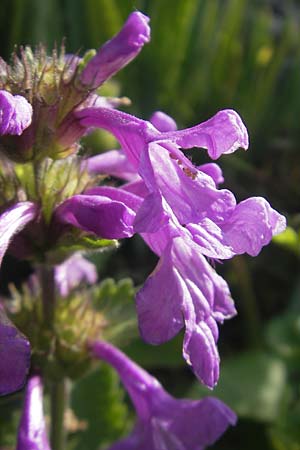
{"x":48,"y":295}
{"x":58,"y":397}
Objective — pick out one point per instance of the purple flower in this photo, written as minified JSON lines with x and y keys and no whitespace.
{"x":117,"y":52}
{"x":223,"y":133}
{"x":14,"y":347}
{"x":251,"y":225}
{"x":187,"y":292}
{"x":183,"y":216}
{"x":114,"y":163}
{"x":15,"y":113}
{"x":72,"y":272}
{"x":14,"y":355}
{"x":163,"y":422}
{"x":163,"y":122}
{"x":32,"y":433}
{"x":14,"y":220}
{"x":107,"y":212}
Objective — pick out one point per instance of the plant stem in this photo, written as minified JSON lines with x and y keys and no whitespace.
{"x":48,"y":295}
{"x":58,"y":397}
{"x":58,"y":404}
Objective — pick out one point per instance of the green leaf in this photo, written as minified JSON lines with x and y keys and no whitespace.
{"x":283,"y":335}
{"x":286,"y":434}
{"x":10,"y":408}
{"x":98,"y":401}
{"x":76,"y":241}
{"x":252,"y":384}
{"x":289,"y":239}
{"x":115,"y":300}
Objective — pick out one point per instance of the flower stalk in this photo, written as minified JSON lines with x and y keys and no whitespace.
{"x":58,"y":397}
{"x":48,"y":295}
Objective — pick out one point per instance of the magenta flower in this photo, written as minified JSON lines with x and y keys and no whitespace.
{"x":13,"y":220}
{"x":32,"y":433}
{"x":187,"y":292}
{"x":222,"y":134}
{"x":114,"y":163}
{"x":14,"y":356}
{"x":14,"y":347}
{"x":15,"y":113}
{"x":176,"y":207}
{"x":72,"y":272}
{"x":164,"y":422}
{"x":106,"y":212}
{"x":183,"y":217}
{"x":117,"y":52}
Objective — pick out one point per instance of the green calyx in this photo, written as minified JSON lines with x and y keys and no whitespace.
{"x":60,"y":348}
{"x":48,"y":184}
{"x":49,"y":84}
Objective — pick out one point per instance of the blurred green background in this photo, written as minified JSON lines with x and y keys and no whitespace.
{"x":204,"y":55}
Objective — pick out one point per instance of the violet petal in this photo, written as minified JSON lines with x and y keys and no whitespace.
{"x":191,"y":194}
{"x":224,"y":133}
{"x":14,"y":356}
{"x":114,"y":163}
{"x":163,"y":422}
{"x":163,"y":122}
{"x":107,"y":217}
{"x":15,"y":113}
{"x":72,"y":272}
{"x":214,"y":171}
{"x":117,"y":52}
{"x":251,"y":226}
{"x":14,"y":220}
{"x":185,"y":290}
{"x":32,"y":430}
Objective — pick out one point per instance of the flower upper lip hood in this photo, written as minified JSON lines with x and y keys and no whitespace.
{"x":117,"y":52}
{"x":224,"y":133}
